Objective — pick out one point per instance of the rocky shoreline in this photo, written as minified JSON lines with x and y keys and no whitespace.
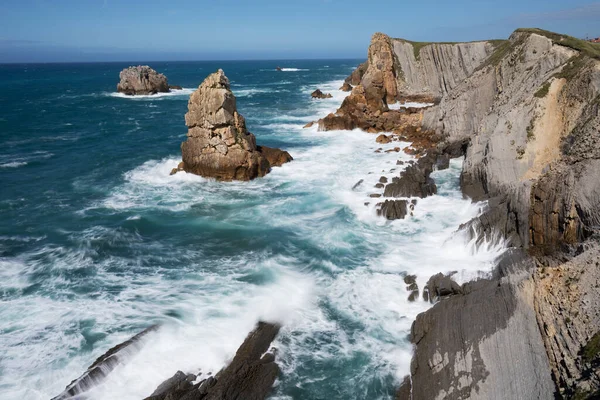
{"x":525,"y":115}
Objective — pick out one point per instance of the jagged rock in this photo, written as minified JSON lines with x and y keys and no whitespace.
{"x":249,"y":376}
{"x":219,"y":145}
{"x":175,"y":87}
{"x":383,"y":139}
{"x":317,"y":94}
{"x":439,"y":286}
{"x":141,"y":80}
{"x":346,"y":87}
{"x":414,"y":181}
{"x":393,"y":209}
{"x":310,"y":124}
{"x":103,"y":366}
{"x":357,"y":74}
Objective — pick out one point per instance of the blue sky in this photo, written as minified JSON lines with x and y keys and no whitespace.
{"x":153,"y":30}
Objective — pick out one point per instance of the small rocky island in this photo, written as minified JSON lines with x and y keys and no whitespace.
{"x":143,"y":80}
{"x":219,"y":145}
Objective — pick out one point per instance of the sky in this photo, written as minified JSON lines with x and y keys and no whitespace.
{"x":161,"y":30}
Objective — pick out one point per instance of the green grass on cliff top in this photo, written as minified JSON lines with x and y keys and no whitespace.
{"x":588,"y":48}
{"x":504,"y":46}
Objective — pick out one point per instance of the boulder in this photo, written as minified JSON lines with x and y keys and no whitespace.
{"x":141,"y":80}
{"x":412,"y":287}
{"x":346,"y":87}
{"x":219,"y":145}
{"x":439,"y":286}
{"x":383,"y":139}
{"x":318,"y":94}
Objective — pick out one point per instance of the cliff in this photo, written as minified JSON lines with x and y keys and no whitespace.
{"x":525,"y":113}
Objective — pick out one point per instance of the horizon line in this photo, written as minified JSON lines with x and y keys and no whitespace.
{"x":178,"y":61}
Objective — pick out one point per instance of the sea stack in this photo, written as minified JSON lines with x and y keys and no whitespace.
{"x":219,"y":145}
{"x":141,"y":80}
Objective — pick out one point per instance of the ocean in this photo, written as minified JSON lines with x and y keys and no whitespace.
{"x":98,"y":241}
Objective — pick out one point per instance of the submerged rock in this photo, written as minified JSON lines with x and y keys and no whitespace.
{"x":249,"y":376}
{"x":141,"y":80}
{"x":318,"y":94}
{"x":219,"y":145}
{"x":414,"y":181}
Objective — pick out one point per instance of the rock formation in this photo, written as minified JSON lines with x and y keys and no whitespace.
{"x":346,"y":87}
{"x":318,"y":94}
{"x":525,"y":114}
{"x":249,"y":376}
{"x":141,"y":80}
{"x":219,"y":145}
{"x":103,"y":366}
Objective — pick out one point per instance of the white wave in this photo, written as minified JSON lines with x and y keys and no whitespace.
{"x":398,"y":106}
{"x":253,"y":91}
{"x":14,"y":164}
{"x":293,"y":69}
{"x":171,"y":93}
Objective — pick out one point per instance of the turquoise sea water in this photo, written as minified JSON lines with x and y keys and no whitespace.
{"x":97,"y":241}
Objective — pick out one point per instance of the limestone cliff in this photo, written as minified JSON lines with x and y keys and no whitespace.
{"x":525,"y":113}
{"x":219,"y":145}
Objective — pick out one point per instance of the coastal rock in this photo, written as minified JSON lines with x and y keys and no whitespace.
{"x":439,"y":286}
{"x":393,"y":209}
{"x":104,"y":365}
{"x":412,"y":287}
{"x":141,"y":80}
{"x":482,"y":344}
{"x":357,"y":74}
{"x":414,"y":181}
{"x":383,"y":139}
{"x":318,"y":94}
{"x":175,"y":87}
{"x":346,"y":87}
{"x":219,"y":145}
{"x":249,"y":376}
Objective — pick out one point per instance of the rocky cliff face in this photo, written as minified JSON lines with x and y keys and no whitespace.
{"x":141,"y":80}
{"x":525,"y":113}
{"x":531,"y":115}
{"x":219,"y":145}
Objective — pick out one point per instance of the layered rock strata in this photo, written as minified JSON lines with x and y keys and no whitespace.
{"x":219,"y":145}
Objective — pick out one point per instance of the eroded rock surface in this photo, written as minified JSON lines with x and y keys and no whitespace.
{"x":219,"y":145}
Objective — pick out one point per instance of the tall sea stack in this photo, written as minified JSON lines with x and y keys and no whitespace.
{"x":219,"y":145}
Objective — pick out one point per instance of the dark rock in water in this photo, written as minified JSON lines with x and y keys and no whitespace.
{"x":412,"y":287}
{"x":439,"y":286}
{"x":379,"y":185}
{"x":393,"y":209}
{"x":219,"y":145}
{"x":357,"y":184}
{"x":346,"y":87}
{"x":175,"y":87}
{"x":249,"y":376}
{"x":103,"y":366}
{"x":383,"y":179}
{"x":141,"y":80}
{"x":318,"y":94}
{"x":375,"y":195}
{"x":383,"y":139}
{"x":414,"y":181}
{"x":442,"y":162}
{"x":278,"y":68}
